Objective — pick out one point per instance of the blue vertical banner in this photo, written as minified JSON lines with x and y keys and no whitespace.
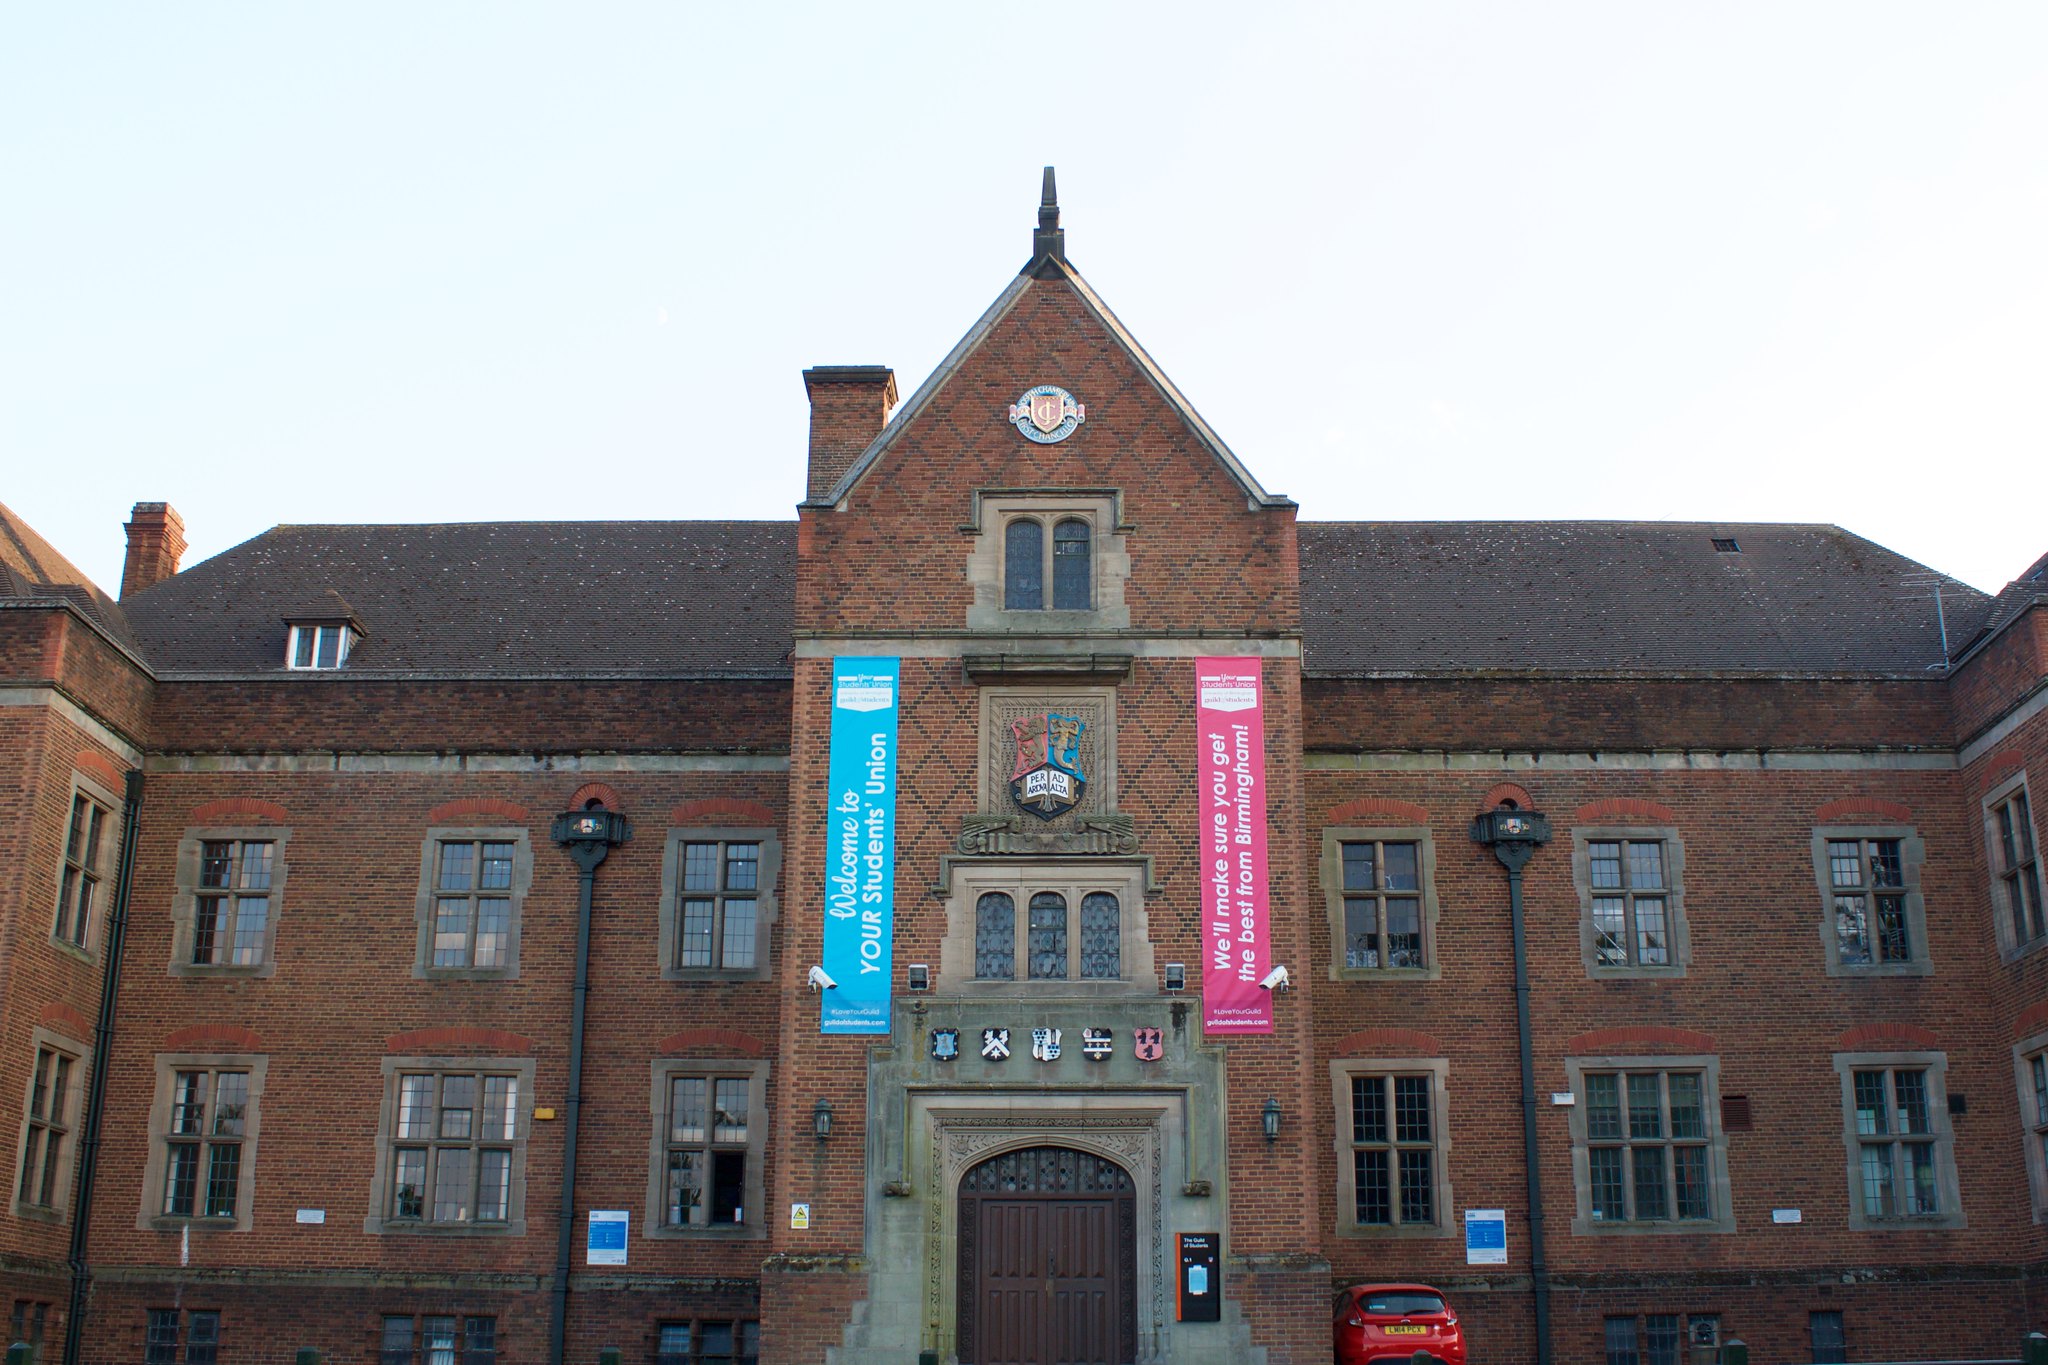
{"x":860,"y":844}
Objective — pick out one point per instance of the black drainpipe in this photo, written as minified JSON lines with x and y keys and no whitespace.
{"x":96,"y":1084}
{"x":1513,"y":835}
{"x":588,"y":835}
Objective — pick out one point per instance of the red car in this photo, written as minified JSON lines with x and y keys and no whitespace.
{"x":1395,"y":1322}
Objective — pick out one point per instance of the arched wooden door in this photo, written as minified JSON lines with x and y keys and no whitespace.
{"x":1048,"y":1260}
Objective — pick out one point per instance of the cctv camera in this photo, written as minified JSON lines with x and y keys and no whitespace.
{"x":1275,"y":980}
{"x":820,"y":981}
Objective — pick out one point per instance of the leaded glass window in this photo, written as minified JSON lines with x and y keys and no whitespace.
{"x":1101,"y":937}
{"x":232,"y":908}
{"x":1896,"y":1143}
{"x":1070,"y":566}
{"x":1393,"y":1150}
{"x":203,"y":1156}
{"x":1382,"y":904}
{"x":1023,"y":565}
{"x":718,"y":911}
{"x":48,"y":1129}
{"x":2018,"y":868}
{"x":1647,"y":1140}
{"x":1867,"y":880}
{"x":1630,"y":903}
{"x":706,"y":1174}
{"x":473,"y":903}
{"x":454,"y":1139}
{"x":1048,"y":944}
{"x":78,"y":894}
{"x":995,"y":937}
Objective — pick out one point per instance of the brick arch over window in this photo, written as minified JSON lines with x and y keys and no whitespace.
{"x":1852,"y":807}
{"x":1623,"y":810}
{"x":476,"y":810}
{"x":215,"y":1038}
{"x":1379,"y":810}
{"x":237,"y":810}
{"x":1643,"y":1039}
{"x":722,"y":812}
{"x":710,"y":1041}
{"x":1507,"y":791}
{"x":64,"y":1019}
{"x":2000,"y":766}
{"x":604,"y":793}
{"x":1389,"y":1042}
{"x":494,"y":1042}
{"x":1888,"y":1037}
{"x":99,"y":768}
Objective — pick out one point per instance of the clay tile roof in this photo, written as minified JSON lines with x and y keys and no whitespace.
{"x":1586,"y":596}
{"x":30,"y":568}
{"x":638,"y":598}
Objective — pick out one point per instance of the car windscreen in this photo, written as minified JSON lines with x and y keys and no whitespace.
{"x":1400,"y":1301}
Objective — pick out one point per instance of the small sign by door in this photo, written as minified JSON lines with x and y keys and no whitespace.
{"x":1201,"y":1281}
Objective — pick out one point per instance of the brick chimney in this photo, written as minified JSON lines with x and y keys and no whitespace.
{"x":156,"y":538}
{"x":850,"y":404}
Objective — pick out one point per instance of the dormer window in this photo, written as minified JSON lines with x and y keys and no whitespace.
{"x":313,"y":646}
{"x":1028,"y":563}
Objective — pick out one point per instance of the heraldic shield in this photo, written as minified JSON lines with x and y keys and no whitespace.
{"x":1048,"y":410}
{"x":1048,"y":780}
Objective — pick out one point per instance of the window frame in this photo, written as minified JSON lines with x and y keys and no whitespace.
{"x":101,"y":873}
{"x":380,"y":1220}
{"x":1109,"y":565}
{"x":1942,"y":1133}
{"x":293,"y":632}
{"x":156,"y":1168}
{"x":1720,"y":1194}
{"x":2003,"y":879}
{"x":766,"y":901}
{"x":1074,"y":879}
{"x":423,"y":966}
{"x":1583,"y":838}
{"x":1331,"y":870}
{"x":182,"y":1345}
{"x":1912,"y":857}
{"x":1685,"y":1352}
{"x":661,"y":1072}
{"x":43,"y":1040}
{"x":416,"y":1337}
{"x":1343,"y":1070}
{"x":2033,"y":1114}
{"x":695,"y":1327}
{"x":1836,"y":1353}
{"x":187,"y":893}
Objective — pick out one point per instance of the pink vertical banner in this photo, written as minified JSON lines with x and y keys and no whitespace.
{"x":1236,"y":905}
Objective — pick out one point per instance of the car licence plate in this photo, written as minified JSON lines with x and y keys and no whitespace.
{"x":1405,"y":1329}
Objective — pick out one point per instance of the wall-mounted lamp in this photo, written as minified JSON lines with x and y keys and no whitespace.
{"x":1269,"y":1119}
{"x":1176,"y":976}
{"x":821,"y":1119}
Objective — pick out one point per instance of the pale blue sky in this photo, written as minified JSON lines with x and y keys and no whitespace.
{"x":447,"y":262}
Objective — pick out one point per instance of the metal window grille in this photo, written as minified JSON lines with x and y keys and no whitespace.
{"x":1048,"y":936}
{"x":1896,"y":1143}
{"x":203,"y":1158}
{"x":995,"y":937}
{"x":453,"y":1135}
{"x":1393,"y":1150}
{"x":1024,"y":565}
{"x":1382,"y":904}
{"x":1631,"y":903}
{"x":707,"y":1343}
{"x":706,"y":1172}
{"x":1830,"y":1345}
{"x":48,"y":1128}
{"x":1620,"y":1341}
{"x":78,"y":893}
{"x":160,"y":1337}
{"x":473,"y":903}
{"x":232,"y":910}
{"x":2019,"y":869}
{"x":1647,"y":1139}
{"x":719,"y":905}
{"x":1867,"y":880}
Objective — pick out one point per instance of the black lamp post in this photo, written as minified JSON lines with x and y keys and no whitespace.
{"x":1514,"y":835}
{"x":1269,"y":1119}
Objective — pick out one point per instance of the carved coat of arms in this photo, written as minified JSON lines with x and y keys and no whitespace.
{"x":1045,"y":1044}
{"x":995,"y":1043}
{"x":1047,"y":414}
{"x":1096,"y":1043}
{"x":945,"y":1044}
{"x":1147,"y":1045}
{"x":1047,"y":779}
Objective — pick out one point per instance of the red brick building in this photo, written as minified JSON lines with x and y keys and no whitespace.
{"x":362,"y":882}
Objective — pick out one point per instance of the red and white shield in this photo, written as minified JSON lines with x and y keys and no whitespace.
{"x":1047,"y":411}
{"x":1145,"y":1042}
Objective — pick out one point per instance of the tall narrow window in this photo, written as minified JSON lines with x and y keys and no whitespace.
{"x":1630,"y":894}
{"x":45,"y":1146}
{"x":1830,"y":1343}
{"x":995,"y":937}
{"x":473,"y":903}
{"x":1647,"y":1142}
{"x":232,"y":907}
{"x":1024,"y":565}
{"x":1048,"y":945}
{"x":720,"y":883}
{"x":2034,"y":1115}
{"x":1101,"y":937}
{"x":705,"y":1179}
{"x":78,"y":896}
{"x":1382,"y":905}
{"x":2018,"y":868}
{"x":1393,"y":1151}
{"x":1868,"y":881}
{"x":1070,"y":566}
{"x":1896,"y":1139}
{"x":453,"y":1147}
{"x":203,"y":1149}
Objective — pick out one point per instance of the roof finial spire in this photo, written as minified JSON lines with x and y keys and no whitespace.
{"x":1050,"y":239}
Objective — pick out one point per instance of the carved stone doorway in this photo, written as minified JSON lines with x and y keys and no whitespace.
{"x":1048,"y":1260}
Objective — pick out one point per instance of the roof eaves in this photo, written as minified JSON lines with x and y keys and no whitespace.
{"x":966,"y":346}
{"x":91,"y":622}
{"x":1997,"y":628}
{"x":336,"y":676}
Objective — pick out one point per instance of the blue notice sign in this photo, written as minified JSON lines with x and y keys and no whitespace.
{"x":860,"y":846}
{"x":607,"y":1240}
{"x":1486,"y":1237}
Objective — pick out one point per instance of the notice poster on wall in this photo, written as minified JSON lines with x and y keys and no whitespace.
{"x":860,"y":846}
{"x":1231,"y":792}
